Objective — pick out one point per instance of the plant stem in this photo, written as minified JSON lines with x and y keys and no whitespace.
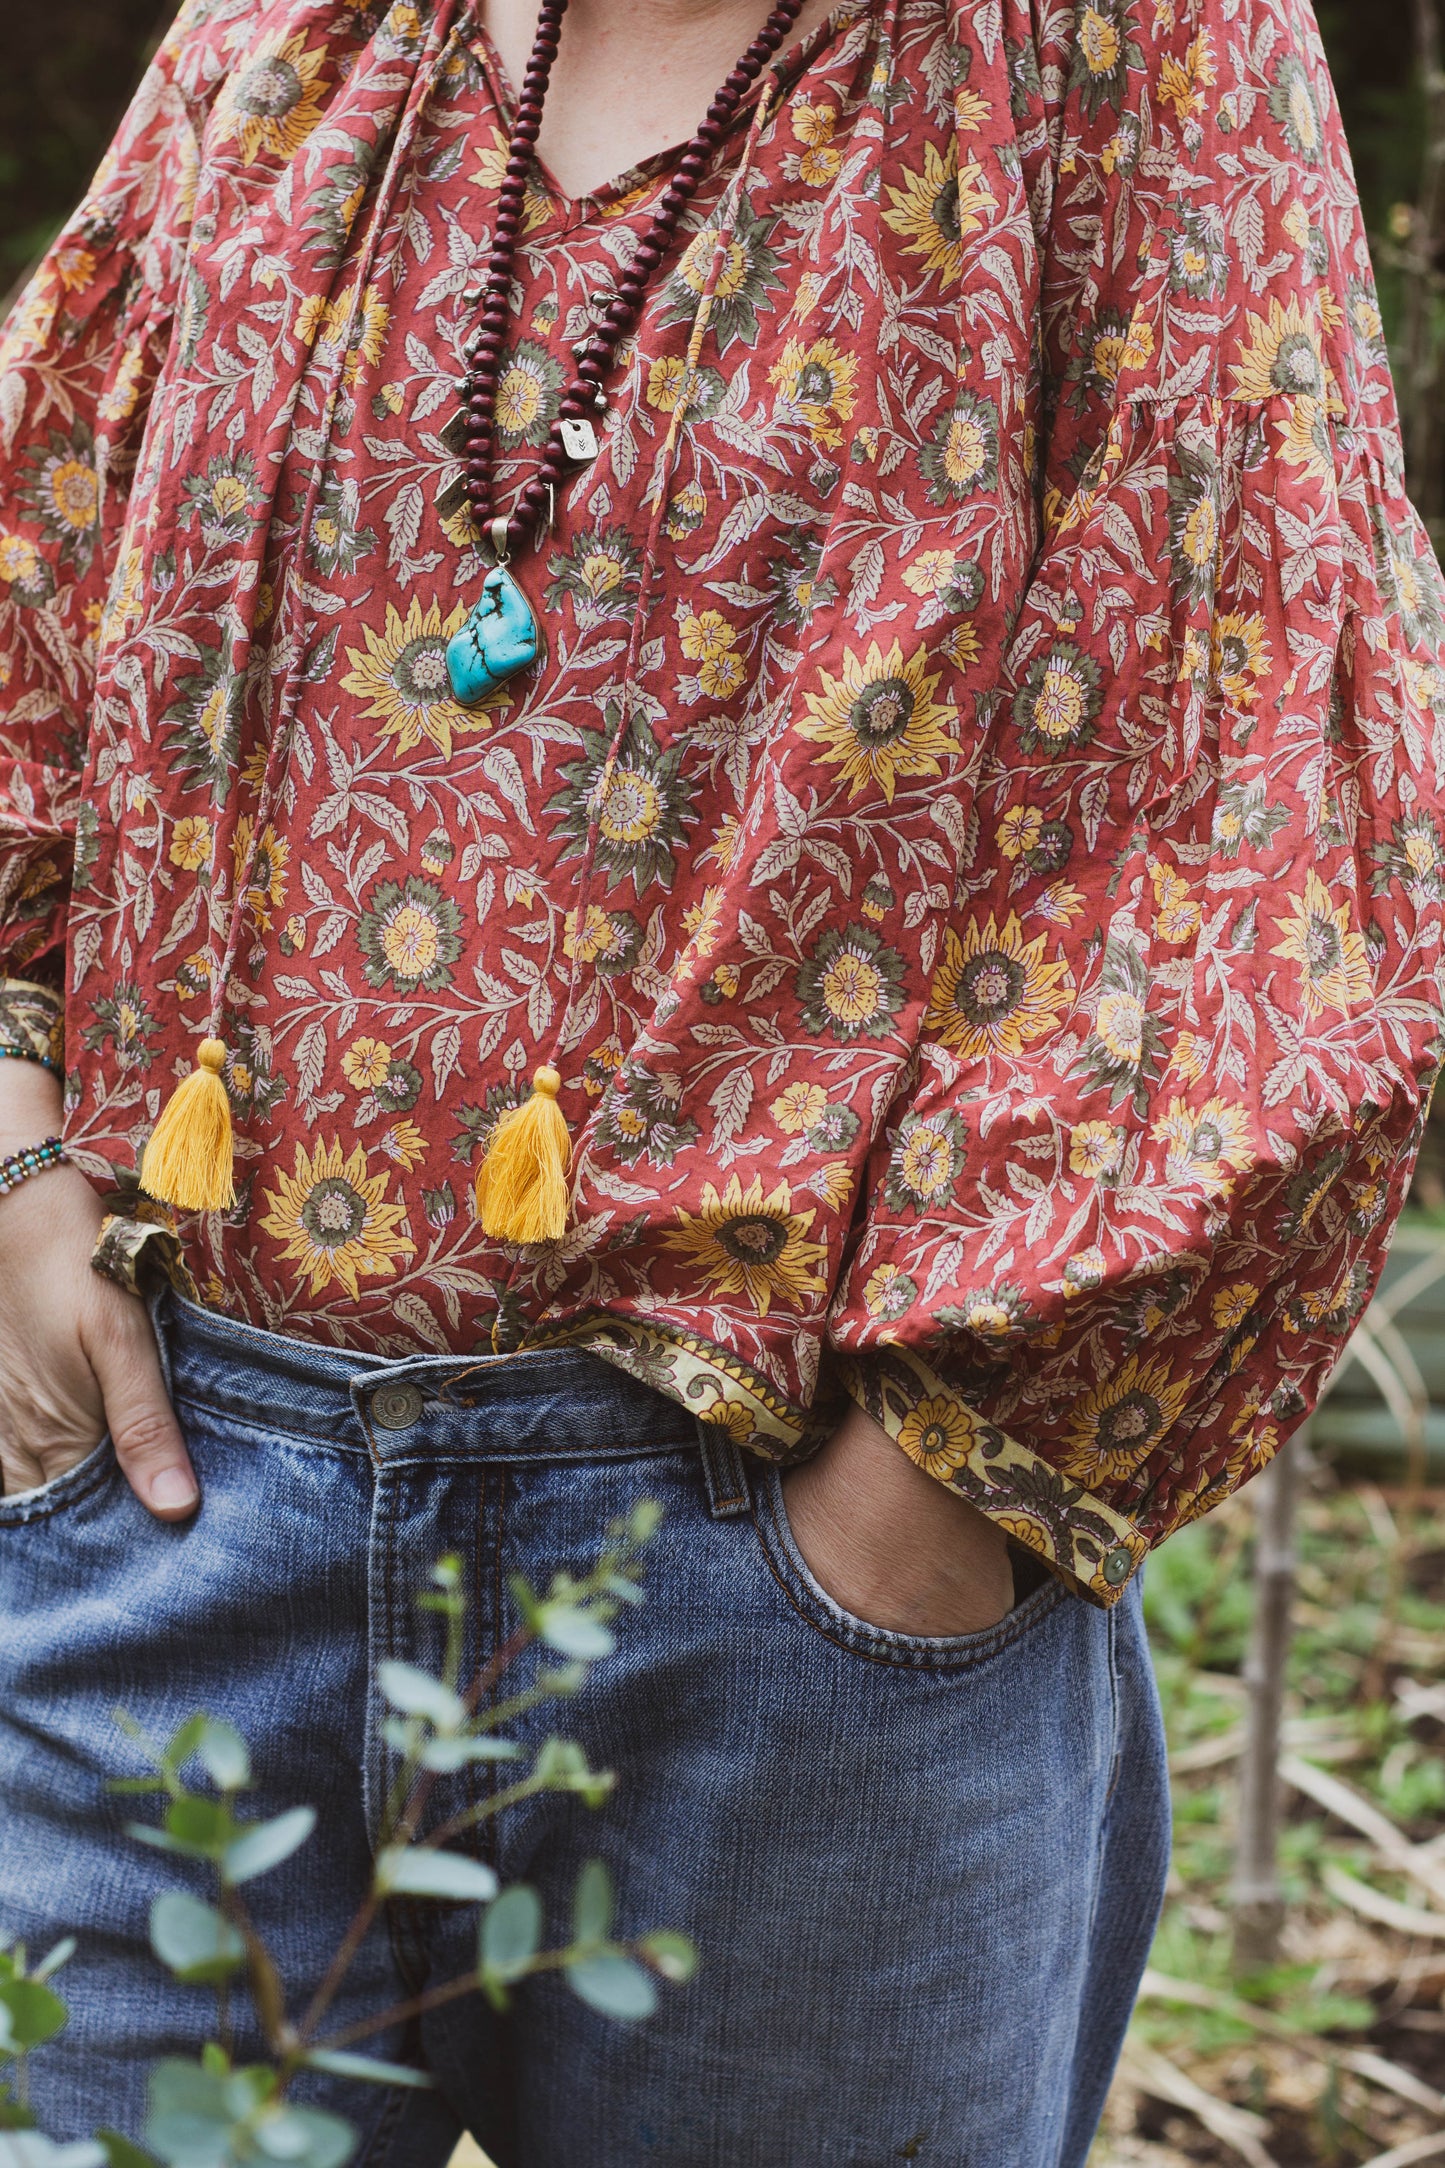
{"x":1258,"y":1897}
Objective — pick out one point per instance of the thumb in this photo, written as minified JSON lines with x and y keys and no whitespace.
{"x":142,"y":1424}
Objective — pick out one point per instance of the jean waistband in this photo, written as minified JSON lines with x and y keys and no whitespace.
{"x":559,"y":1404}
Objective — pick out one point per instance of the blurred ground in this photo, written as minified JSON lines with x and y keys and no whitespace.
{"x":1337,"y":2056}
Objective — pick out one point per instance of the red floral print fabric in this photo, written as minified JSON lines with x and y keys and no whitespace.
{"x":1010,"y":981}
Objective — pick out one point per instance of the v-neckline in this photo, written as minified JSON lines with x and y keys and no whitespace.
{"x":574,"y":211}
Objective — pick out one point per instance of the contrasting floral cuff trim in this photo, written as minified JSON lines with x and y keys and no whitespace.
{"x":718,"y":1388}
{"x":32,"y":1021}
{"x":138,"y":1244}
{"x":1095,"y":1549}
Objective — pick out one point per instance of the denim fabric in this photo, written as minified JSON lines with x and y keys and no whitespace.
{"x":923,"y":1875}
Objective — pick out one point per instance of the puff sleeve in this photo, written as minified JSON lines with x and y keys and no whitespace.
{"x":1185,"y":1013}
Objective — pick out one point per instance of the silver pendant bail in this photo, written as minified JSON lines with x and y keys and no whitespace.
{"x":499,"y":539}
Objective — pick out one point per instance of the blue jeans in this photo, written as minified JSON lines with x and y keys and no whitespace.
{"x":923,"y":1875}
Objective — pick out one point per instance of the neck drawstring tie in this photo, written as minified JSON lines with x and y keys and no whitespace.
{"x":522,"y":1188}
{"x":189,"y":1160}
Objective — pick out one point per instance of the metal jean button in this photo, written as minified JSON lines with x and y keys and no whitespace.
{"x":396,"y":1407}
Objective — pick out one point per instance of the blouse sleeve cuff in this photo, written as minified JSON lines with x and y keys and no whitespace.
{"x":1090,"y":1546}
{"x":32,"y":1022}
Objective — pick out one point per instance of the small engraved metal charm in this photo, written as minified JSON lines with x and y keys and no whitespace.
{"x":579,"y":438}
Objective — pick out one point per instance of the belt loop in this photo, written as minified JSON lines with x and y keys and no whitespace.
{"x":724,"y":1471}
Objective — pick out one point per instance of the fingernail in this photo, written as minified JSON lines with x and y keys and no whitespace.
{"x":173,"y":1491}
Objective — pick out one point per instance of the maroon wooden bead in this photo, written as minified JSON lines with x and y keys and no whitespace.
{"x":690,"y":168}
{"x":708,"y":135}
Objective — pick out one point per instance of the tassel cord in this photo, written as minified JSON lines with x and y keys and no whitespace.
{"x":523,"y":1180}
{"x":189,"y":1159}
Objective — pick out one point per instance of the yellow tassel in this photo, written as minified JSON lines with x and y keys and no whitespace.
{"x":522,"y":1182}
{"x":188,"y":1159}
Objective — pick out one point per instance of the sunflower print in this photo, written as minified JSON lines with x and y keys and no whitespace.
{"x":529,"y":393}
{"x":203,"y":723}
{"x":938,"y":1435}
{"x":409,"y":935}
{"x":937,"y":208}
{"x":926,"y":1162}
{"x":61,"y":487}
{"x":962,"y":458}
{"x":261,"y":865}
{"x":1194,"y":524}
{"x":880,"y":720}
{"x":995,"y":992}
{"x":1121,"y":1422}
{"x":270,"y":106}
{"x":751,"y":1242}
{"x":401,"y":675}
{"x":1413,"y":858}
{"x":334,"y":1221}
{"x":958,"y":556}
{"x":1320,"y":938}
{"x":1281,"y":352}
{"x":1104,"y":53}
{"x":1056,"y":706}
{"x":1239,"y":655}
{"x":1206,"y":1146}
{"x":1124,"y":1051}
{"x":851,"y":987}
{"x":819,"y":382}
{"x":639,"y":805}
{"x":1293,"y":104}
{"x":749,"y":274}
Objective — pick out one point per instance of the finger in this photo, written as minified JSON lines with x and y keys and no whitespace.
{"x":143,"y":1428}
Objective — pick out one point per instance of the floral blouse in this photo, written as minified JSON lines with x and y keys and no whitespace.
{"x":1009,"y":986}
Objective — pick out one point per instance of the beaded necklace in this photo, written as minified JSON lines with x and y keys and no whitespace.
{"x":500,"y":637}
{"x":522,"y":1183}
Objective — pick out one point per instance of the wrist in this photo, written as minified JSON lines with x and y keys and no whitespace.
{"x":31,"y":1105}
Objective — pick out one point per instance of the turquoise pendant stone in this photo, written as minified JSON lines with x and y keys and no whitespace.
{"x":497,"y":640}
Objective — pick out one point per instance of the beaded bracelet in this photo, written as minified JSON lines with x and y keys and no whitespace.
{"x":26,"y":1053}
{"x":17,"y":1167}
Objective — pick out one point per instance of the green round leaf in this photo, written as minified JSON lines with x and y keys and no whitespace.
{"x":417,"y":1693}
{"x":613,"y":1983}
{"x":266,"y":1844}
{"x":511,"y":1932}
{"x":193,"y":1940}
{"x":670,"y":1954}
{"x":572,"y":1632}
{"x":419,"y":1871}
{"x":594,"y":1905}
{"x":30,"y":2014}
{"x":223,"y":1755}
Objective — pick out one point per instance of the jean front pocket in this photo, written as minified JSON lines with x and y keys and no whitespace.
{"x":881,"y":1644}
{"x":64,"y":1490}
